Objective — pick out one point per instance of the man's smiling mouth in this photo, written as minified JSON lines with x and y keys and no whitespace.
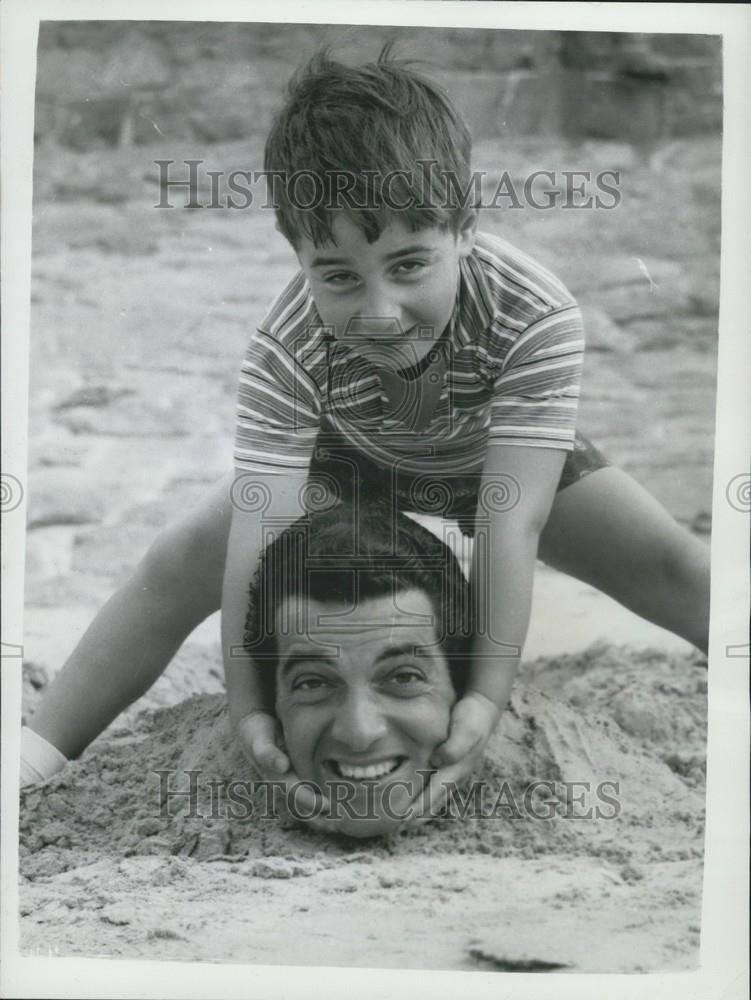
{"x":360,"y":772}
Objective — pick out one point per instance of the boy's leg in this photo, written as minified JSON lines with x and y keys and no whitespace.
{"x":174,"y":588}
{"x":607,"y":530}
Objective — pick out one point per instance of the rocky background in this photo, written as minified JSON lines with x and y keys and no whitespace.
{"x":107,"y":83}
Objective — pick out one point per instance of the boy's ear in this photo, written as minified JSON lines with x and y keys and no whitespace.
{"x":465,"y":234}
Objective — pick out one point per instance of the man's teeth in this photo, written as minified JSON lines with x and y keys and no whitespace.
{"x":379,"y":770}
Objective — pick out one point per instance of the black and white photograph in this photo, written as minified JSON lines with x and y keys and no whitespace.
{"x":371,"y":474}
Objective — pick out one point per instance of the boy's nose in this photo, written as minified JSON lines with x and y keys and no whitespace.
{"x":359,"y":723}
{"x":379,"y":317}
{"x":369,"y":326}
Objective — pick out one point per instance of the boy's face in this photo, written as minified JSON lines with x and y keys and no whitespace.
{"x":358,"y":708}
{"x":388,"y":300}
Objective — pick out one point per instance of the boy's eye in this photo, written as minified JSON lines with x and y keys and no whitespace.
{"x":340,"y":278}
{"x":410,"y":267}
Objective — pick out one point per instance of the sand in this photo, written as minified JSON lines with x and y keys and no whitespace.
{"x":139,"y":320}
{"x":108,"y":870}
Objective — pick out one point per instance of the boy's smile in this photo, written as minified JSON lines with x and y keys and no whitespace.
{"x":392,"y":299}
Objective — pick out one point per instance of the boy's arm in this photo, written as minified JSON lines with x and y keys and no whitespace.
{"x":253,"y":721}
{"x":250,"y":532}
{"x":507,"y":534}
{"x":524,"y":479}
{"x":538,"y":386}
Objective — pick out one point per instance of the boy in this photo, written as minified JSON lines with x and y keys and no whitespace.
{"x":411,"y":355}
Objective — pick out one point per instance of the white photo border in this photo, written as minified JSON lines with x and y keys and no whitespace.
{"x":724,"y":957}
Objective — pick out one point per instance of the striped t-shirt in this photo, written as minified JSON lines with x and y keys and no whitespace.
{"x":514,"y":349}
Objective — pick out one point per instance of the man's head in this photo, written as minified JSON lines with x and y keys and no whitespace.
{"x":360,"y":633}
{"x":369,"y":168}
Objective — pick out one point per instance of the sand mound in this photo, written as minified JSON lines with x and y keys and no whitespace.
{"x":106,"y":871}
{"x":612,"y":772}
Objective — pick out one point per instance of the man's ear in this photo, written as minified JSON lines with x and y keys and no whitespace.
{"x":466,"y":231}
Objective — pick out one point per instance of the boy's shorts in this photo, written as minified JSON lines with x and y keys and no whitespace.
{"x":355,"y":475}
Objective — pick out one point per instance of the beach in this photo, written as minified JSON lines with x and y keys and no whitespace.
{"x":580,"y":848}
{"x":139,"y":322}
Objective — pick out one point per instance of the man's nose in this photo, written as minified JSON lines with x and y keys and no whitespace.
{"x":359,"y":723}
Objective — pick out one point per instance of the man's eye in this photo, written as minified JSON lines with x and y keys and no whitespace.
{"x":309,"y":684}
{"x":405,"y":677}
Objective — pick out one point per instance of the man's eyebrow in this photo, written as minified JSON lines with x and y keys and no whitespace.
{"x":403,"y":252}
{"x":401,"y":649}
{"x":304,"y":656}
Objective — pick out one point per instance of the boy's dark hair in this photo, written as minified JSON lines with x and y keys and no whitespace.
{"x":348,"y":554}
{"x":345,"y":130}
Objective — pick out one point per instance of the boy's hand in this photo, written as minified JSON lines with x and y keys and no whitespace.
{"x":473,"y":719}
{"x":260,"y":736}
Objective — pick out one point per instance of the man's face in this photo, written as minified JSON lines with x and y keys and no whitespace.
{"x":359,"y":709}
{"x":388,"y":300}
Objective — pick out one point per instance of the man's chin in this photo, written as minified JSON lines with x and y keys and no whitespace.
{"x":371,"y":808}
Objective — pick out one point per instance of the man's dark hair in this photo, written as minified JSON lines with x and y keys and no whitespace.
{"x":343,"y":130}
{"x":348,"y":554}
